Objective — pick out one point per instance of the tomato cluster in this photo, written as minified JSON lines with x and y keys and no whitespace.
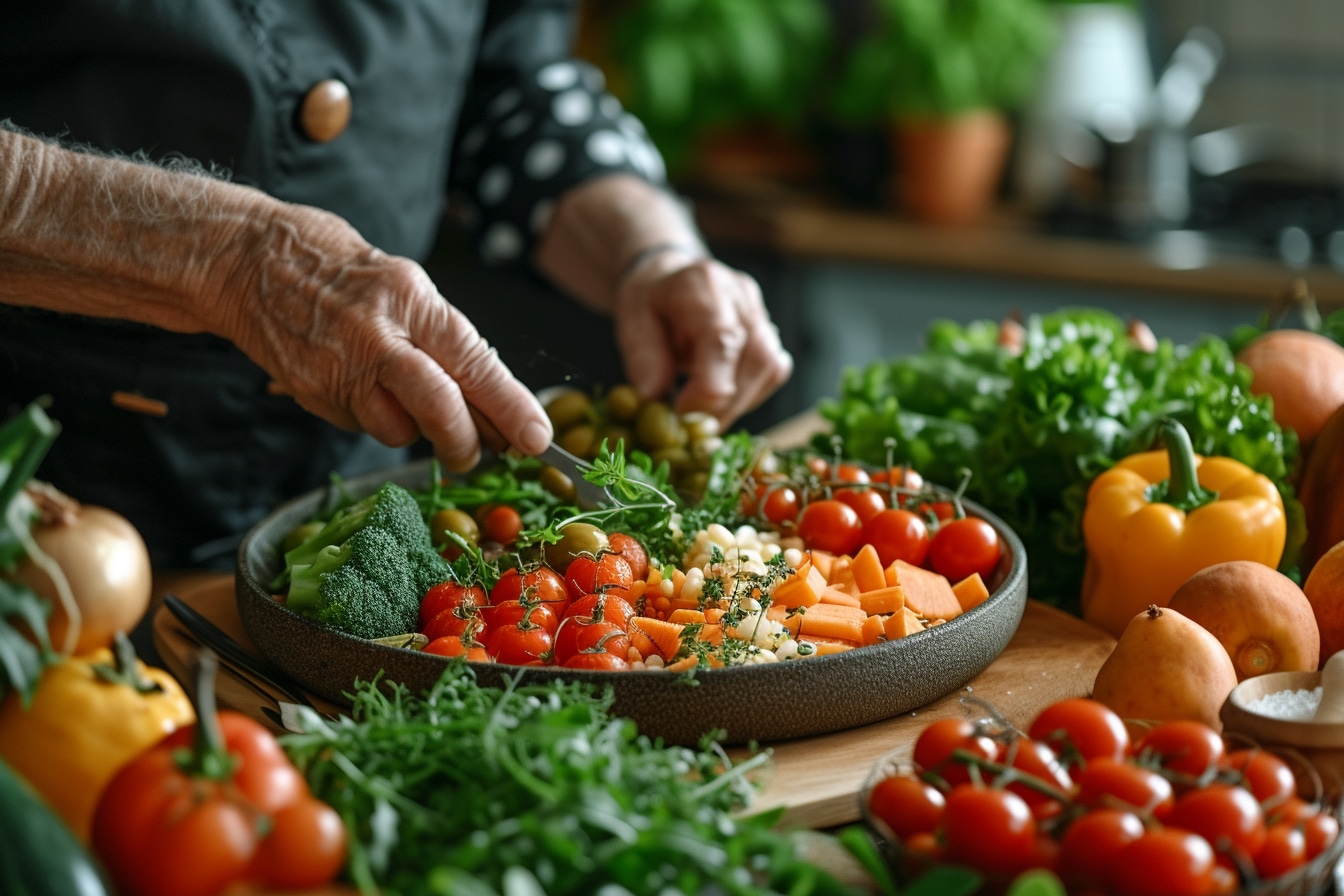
{"x":537,"y":616}
{"x":839,"y":507}
{"x":1171,"y":809}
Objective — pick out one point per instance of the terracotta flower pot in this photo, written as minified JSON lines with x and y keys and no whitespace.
{"x":948,"y":170}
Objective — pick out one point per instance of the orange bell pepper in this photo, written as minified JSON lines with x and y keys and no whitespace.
{"x":1158,"y":517}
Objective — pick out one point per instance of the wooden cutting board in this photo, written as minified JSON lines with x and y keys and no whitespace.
{"x":817,"y":779}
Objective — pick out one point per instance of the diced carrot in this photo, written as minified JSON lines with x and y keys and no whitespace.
{"x":827,"y":646}
{"x":791,"y":621}
{"x":892,"y":574}
{"x":711,"y":633}
{"x":971,"y":592}
{"x":867,"y":570}
{"x":678,"y":579}
{"x":834,"y":621}
{"x":802,"y":589}
{"x":842,"y":574}
{"x":833,"y":595}
{"x":686,"y":664}
{"x":873,"y":630}
{"x":822,"y":560}
{"x":882,"y":601}
{"x":902,"y":623}
{"x":714,"y":614}
{"x":642,"y":643}
{"x":665,"y":636}
{"x":927,"y":593}
{"x":683,"y":603}
{"x":683,"y":616}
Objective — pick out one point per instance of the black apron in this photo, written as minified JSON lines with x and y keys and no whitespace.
{"x":221,"y":81}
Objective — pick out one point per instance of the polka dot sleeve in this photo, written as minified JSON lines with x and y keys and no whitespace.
{"x":524,"y":142}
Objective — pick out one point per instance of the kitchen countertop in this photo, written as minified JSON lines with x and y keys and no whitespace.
{"x":805,"y":226}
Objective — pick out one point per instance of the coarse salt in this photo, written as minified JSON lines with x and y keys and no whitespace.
{"x":1296,"y":705}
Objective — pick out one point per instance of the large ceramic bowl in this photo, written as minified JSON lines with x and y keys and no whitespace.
{"x":749,"y":703}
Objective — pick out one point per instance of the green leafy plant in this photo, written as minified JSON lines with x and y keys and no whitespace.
{"x":935,"y":58}
{"x":693,"y":65}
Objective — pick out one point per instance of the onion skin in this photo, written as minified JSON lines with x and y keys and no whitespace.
{"x":105,"y":560}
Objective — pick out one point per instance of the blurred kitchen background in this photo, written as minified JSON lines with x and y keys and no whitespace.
{"x":1180,"y":162}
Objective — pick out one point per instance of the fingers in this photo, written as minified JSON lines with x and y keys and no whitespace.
{"x":714,"y":320}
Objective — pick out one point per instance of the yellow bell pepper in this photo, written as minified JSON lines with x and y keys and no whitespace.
{"x":90,"y":715}
{"x":1158,"y":517}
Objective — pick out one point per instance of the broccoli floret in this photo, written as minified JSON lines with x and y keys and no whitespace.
{"x":369,"y":587}
{"x":391,"y":507}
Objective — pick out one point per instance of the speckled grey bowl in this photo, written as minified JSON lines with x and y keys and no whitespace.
{"x":749,"y":703}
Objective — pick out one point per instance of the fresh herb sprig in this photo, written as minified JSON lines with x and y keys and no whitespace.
{"x":467,"y":789}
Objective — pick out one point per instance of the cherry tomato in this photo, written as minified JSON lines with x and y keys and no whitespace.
{"x":512,"y":612}
{"x":453,"y":645}
{"x":1183,"y":746}
{"x":457,"y":621}
{"x":907,"y":805}
{"x":523,"y":644}
{"x":607,"y":572}
{"x":1285,"y":849}
{"x":305,"y":848}
{"x":934,"y":748}
{"x":542,"y":583}
{"x":961,"y":547}
{"x":577,"y":635}
{"x":849,"y":473}
{"x":1035,"y":758}
{"x":629,"y":547}
{"x":938,"y":511}
{"x":1080,"y":729}
{"x":830,"y":525}
{"x":987,"y":829}
{"x":897,"y":535}
{"x":776,"y":502}
{"x":1225,"y":815}
{"x":1091,"y":843}
{"x":597,"y":660}
{"x":602,"y":608}
{"x":1164,"y":861}
{"x":1320,"y":830}
{"x":449,"y":596}
{"x":502,"y":524}
{"x":1266,"y":776}
{"x":1106,"y":782}
{"x":899,"y":477}
{"x":866,"y":502}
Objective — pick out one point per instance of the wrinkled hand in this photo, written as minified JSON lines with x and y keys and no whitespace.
{"x":678,"y":313}
{"x":365,"y":340}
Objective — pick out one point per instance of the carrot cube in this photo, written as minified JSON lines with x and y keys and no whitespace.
{"x":866,"y":568}
{"x":802,"y":589}
{"x":971,"y":592}
{"x":927,"y":593}
{"x":873,"y":630}
{"x":882,"y":601}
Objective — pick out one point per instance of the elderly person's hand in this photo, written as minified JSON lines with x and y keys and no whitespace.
{"x":678,"y":312}
{"x":365,"y":340}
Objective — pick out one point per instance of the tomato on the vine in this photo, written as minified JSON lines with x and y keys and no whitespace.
{"x":1266,"y":776}
{"x":849,"y":473}
{"x":455,"y":621}
{"x":906,"y":804}
{"x":1092,"y":841}
{"x":510,"y":613}
{"x":597,"y":659}
{"x":936,"y":744}
{"x":988,"y":829}
{"x":1079,"y":729}
{"x":897,"y":535}
{"x":776,"y":502}
{"x":453,"y":645}
{"x":1285,"y":849}
{"x":1035,"y":758}
{"x":542,"y":583}
{"x":521,"y":644}
{"x":579,"y":634}
{"x":1107,"y":782}
{"x":866,"y":502}
{"x":1224,"y":814}
{"x":634,"y":553}
{"x":607,"y":572}
{"x":602,"y":608}
{"x":1184,"y":746}
{"x":449,"y":596}
{"x":961,"y":547}
{"x":1164,"y":860}
{"x":830,"y":525}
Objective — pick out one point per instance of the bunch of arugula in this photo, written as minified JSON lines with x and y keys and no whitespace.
{"x":1036,"y":427}
{"x":469,"y":790}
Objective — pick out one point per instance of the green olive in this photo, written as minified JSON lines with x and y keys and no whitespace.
{"x":693,"y":484}
{"x":569,"y":408}
{"x":677,"y":457}
{"x":580,"y":439}
{"x":575,"y":539}
{"x":623,"y":403}
{"x":459,"y":522}
{"x":556,"y":483}
{"x":657,"y":426}
{"x":300,"y":534}
{"x":615,"y":434}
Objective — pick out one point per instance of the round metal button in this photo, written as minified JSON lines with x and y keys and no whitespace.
{"x":325,"y":111}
